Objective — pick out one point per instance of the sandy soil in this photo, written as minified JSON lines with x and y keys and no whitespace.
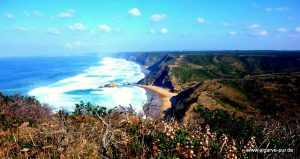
{"x":164,"y":94}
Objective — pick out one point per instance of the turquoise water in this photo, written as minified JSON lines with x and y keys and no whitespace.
{"x":61,"y":82}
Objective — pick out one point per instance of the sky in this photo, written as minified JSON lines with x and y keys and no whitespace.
{"x":69,"y":27}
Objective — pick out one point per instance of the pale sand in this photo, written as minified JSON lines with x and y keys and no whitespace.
{"x":164,"y":94}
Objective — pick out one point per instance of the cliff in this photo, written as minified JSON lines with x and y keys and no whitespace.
{"x":145,"y":59}
{"x":160,"y":73}
{"x":159,"y":66}
{"x":226,"y":81}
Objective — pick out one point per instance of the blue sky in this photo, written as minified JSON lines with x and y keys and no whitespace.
{"x":50,"y":28}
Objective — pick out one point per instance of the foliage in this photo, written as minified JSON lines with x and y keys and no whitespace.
{"x":223,"y":122}
{"x":275,"y":95}
{"x":17,"y":109}
{"x":89,"y":109}
{"x":121,"y":134}
{"x":199,"y":67}
{"x":270,"y":134}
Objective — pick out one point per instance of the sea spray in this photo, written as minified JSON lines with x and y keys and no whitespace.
{"x":64,"y":93}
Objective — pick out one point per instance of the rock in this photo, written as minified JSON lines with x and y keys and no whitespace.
{"x":112,"y":84}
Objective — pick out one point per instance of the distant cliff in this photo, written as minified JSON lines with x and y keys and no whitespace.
{"x":146,"y":59}
{"x":159,"y":66}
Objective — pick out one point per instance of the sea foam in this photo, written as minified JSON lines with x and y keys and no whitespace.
{"x":64,"y":93}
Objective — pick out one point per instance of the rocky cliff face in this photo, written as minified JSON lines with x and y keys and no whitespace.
{"x":159,"y":66}
{"x":160,"y":73}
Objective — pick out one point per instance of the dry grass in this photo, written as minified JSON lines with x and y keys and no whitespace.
{"x":114,"y":136}
{"x":122,"y":134}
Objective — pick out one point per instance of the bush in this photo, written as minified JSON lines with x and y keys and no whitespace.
{"x":89,"y":109}
{"x":95,"y":132}
{"x":268,"y":134}
{"x":223,"y":122}
{"x":17,"y":109}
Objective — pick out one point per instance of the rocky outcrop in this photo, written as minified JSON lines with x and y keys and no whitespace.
{"x":113,"y":84}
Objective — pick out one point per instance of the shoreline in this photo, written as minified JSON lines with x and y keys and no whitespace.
{"x":164,"y":96}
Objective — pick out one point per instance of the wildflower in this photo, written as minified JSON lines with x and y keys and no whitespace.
{"x":178,"y":148}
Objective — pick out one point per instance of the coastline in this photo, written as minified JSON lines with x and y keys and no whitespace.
{"x":164,"y":96}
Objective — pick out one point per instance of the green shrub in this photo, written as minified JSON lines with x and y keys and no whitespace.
{"x":89,"y":109}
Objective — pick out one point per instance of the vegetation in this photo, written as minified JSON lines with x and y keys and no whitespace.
{"x":276,"y":95}
{"x":89,"y":109}
{"x":17,"y":109}
{"x":259,"y":85}
{"x":95,"y":132}
{"x":200,"y":67}
{"x":268,"y":134}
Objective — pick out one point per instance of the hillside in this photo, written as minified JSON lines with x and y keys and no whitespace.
{"x":246,"y":83}
{"x":263,"y":96}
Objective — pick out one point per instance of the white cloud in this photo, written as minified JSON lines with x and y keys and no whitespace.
{"x":268,"y":9}
{"x":152,"y":31}
{"x":226,"y":24}
{"x":164,"y":30}
{"x":263,"y":33}
{"x":77,"y":27}
{"x":135,"y":12}
{"x":75,"y":44}
{"x":282,"y":30}
{"x":66,"y":14}
{"x":254,"y":26}
{"x":278,"y":9}
{"x":104,"y":28}
{"x":27,"y":14}
{"x":260,"y":33}
{"x":33,"y":13}
{"x":37,"y":13}
{"x":257,"y":30}
{"x":9,"y":16}
{"x":53,"y":31}
{"x":20,"y":28}
{"x":158,"y":17}
{"x":201,"y":20}
{"x":232,"y":33}
{"x":297,"y":29}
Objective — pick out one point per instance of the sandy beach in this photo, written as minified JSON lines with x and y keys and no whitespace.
{"x":164,"y":94}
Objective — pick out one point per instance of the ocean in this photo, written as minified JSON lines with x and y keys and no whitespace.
{"x":61,"y":82}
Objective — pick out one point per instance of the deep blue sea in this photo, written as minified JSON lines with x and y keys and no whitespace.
{"x":61,"y":82}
